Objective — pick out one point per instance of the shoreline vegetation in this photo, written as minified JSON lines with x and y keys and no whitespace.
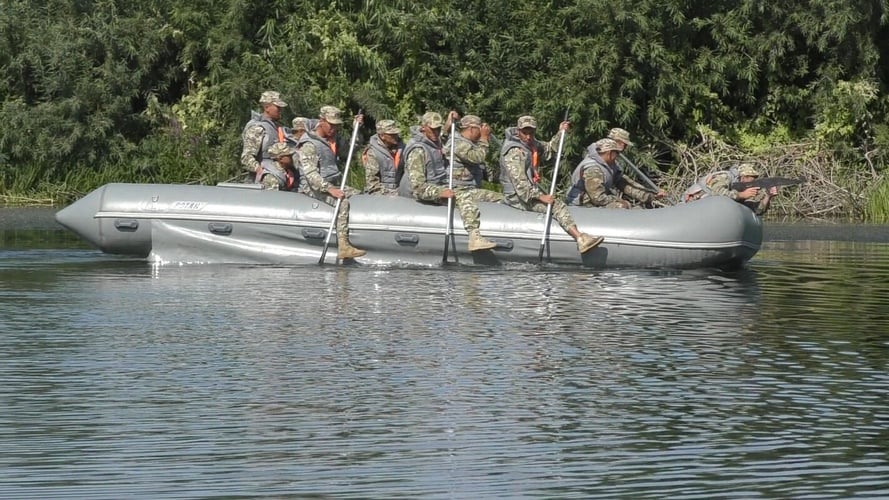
{"x":159,"y":91}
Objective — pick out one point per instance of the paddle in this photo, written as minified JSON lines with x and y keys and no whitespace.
{"x":552,"y":189}
{"x":449,"y":231}
{"x":339,"y":201}
{"x":655,"y":189}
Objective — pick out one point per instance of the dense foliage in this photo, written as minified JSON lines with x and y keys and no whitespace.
{"x":102,"y":90}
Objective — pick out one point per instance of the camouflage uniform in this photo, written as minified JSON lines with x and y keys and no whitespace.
{"x":383,"y":168}
{"x":517,"y":174}
{"x":595,"y":183}
{"x":466,"y":198}
{"x":719,"y":184}
{"x":321,"y":175}
{"x":259,"y":134}
{"x":469,"y":157}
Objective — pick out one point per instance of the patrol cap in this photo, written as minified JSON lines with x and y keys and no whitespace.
{"x":280,"y":149}
{"x":527,"y":121}
{"x":300,"y":123}
{"x":619,"y":134}
{"x":431,"y":119}
{"x":747,"y":169}
{"x":604,"y":145}
{"x":272,"y":97}
{"x":331,"y":115}
{"x":470,"y":121}
{"x":388,"y":127}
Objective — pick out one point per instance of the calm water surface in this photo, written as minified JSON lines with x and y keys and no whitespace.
{"x":119,"y":379}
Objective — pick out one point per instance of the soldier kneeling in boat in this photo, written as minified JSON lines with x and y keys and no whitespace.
{"x":278,"y":172}
{"x":598,"y":180}
{"x":719,"y":184}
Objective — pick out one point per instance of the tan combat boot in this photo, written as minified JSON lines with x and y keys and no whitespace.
{"x":586,"y":242}
{"x":346,"y":250}
{"x":478,"y":242}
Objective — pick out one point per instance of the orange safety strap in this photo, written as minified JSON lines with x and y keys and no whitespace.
{"x":280,"y":134}
{"x":332,"y":144}
{"x":397,"y":158}
{"x":536,"y":177}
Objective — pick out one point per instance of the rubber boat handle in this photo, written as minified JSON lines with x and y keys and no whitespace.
{"x":314,"y":234}
{"x":223,"y":228}
{"x":409,"y":239}
{"x":127,"y":225}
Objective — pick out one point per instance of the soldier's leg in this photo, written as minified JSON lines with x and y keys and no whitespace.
{"x":468,"y":208}
{"x":269,"y":182}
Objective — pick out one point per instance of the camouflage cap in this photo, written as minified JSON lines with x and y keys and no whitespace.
{"x":604,"y":145}
{"x":280,"y":149}
{"x":747,"y":169}
{"x":300,"y":123}
{"x":272,"y":97}
{"x":388,"y":127}
{"x":431,"y":119}
{"x":331,"y":115}
{"x":527,"y":122}
{"x":470,"y":121}
{"x":619,"y":134}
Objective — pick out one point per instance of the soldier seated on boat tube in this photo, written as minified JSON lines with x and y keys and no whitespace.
{"x":318,"y":165}
{"x":278,"y":172}
{"x":470,"y":151}
{"x":260,"y":133}
{"x":427,"y":179}
{"x":519,"y":175}
{"x":383,"y":160}
{"x":719,"y":184}
{"x":598,"y":180}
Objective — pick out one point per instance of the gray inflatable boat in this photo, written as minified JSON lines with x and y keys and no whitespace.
{"x":238,"y":223}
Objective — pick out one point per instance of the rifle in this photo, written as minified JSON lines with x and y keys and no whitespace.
{"x":767,"y":182}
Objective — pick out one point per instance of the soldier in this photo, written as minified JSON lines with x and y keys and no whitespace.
{"x":519,"y":163}
{"x":300,"y":125}
{"x":622,"y":138}
{"x":427,"y":180}
{"x":719,"y":184}
{"x":260,"y":133}
{"x":318,"y":165}
{"x":470,"y":150}
{"x":382,"y":159}
{"x":599,"y":182}
{"x":278,"y":172}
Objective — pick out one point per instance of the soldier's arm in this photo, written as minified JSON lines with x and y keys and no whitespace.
{"x":594,"y":185}
{"x":371,"y":173}
{"x":252,"y":146}
{"x":308,"y":164}
{"x":635,"y":191}
{"x":471,"y":153}
{"x":515,"y":168}
{"x":416,"y":170}
{"x":719,"y":185}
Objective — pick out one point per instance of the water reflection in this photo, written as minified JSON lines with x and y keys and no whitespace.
{"x":127,"y":379}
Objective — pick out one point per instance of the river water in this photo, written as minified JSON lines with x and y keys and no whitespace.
{"x":121,"y":379}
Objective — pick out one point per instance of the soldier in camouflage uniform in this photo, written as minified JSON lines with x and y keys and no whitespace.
{"x":470,"y":151}
{"x":260,"y":133}
{"x":318,"y":165}
{"x":519,"y":163}
{"x":719,"y":184}
{"x":599,"y":182}
{"x":382,"y":159}
{"x":427,"y":180}
{"x":279,"y":173}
